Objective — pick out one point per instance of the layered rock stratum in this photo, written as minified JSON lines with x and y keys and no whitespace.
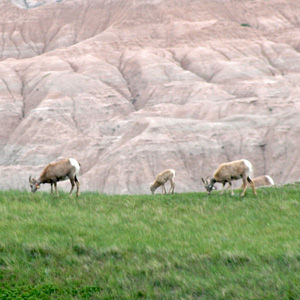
{"x":132,"y":87}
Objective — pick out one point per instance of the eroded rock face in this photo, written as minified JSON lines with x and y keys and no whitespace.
{"x":130,"y":88}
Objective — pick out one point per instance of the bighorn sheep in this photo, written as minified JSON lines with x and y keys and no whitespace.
{"x":263,"y":180}
{"x":58,"y":171}
{"x":227,"y":172}
{"x":162,"y":178}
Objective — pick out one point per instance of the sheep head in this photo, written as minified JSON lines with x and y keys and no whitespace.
{"x":34,"y":184}
{"x":209,"y":185}
{"x":152,"y":188}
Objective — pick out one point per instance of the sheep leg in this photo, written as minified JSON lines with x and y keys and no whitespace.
{"x":172,"y":186}
{"x":245,"y":185}
{"x":228,"y":186}
{"x":223,"y":188}
{"x":73,"y":185}
{"x":252,"y":185}
{"x":232,"y":193}
{"x":164,"y":189}
{"x":51,"y":188}
{"x":77,"y":185}
{"x":55,"y":186}
{"x":242,"y":186}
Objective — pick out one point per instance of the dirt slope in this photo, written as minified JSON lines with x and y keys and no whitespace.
{"x":133,"y":87}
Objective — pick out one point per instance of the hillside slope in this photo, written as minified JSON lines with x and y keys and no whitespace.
{"x":132,"y":87}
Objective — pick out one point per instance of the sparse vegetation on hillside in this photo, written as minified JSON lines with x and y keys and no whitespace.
{"x":182,"y":246}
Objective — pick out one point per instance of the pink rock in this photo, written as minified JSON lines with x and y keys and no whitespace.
{"x":131,"y":88}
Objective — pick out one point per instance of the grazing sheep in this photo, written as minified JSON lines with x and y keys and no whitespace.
{"x":228,"y":172}
{"x":263,"y":180}
{"x":162,"y":178}
{"x":58,"y":171}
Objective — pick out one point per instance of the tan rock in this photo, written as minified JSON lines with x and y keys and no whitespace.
{"x":131,"y":88}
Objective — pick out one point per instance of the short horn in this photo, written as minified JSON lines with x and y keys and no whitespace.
{"x":30,"y":179}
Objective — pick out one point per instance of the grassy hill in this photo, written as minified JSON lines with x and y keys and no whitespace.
{"x":182,"y":246}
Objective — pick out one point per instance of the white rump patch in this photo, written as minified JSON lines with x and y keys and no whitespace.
{"x":173,"y":171}
{"x":270,"y":179}
{"x":75,"y":164}
{"x":248,"y":164}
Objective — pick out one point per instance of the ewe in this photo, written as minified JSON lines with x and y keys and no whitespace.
{"x":263,"y":180}
{"x":59,"y":171}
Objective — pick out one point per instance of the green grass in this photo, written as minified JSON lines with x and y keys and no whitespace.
{"x":245,"y":25}
{"x":182,"y":246}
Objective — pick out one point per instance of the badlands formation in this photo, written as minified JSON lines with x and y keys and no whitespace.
{"x":132,"y":87}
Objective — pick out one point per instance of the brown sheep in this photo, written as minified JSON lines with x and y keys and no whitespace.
{"x":58,"y":171}
{"x":263,"y":180}
{"x":230,"y":171}
{"x":162,"y":178}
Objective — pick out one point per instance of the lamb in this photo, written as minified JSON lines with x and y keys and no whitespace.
{"x":162,"y":178}
{"x":263,"y":180}
{"x":58,"y":171}
{"x":227,"y":172}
